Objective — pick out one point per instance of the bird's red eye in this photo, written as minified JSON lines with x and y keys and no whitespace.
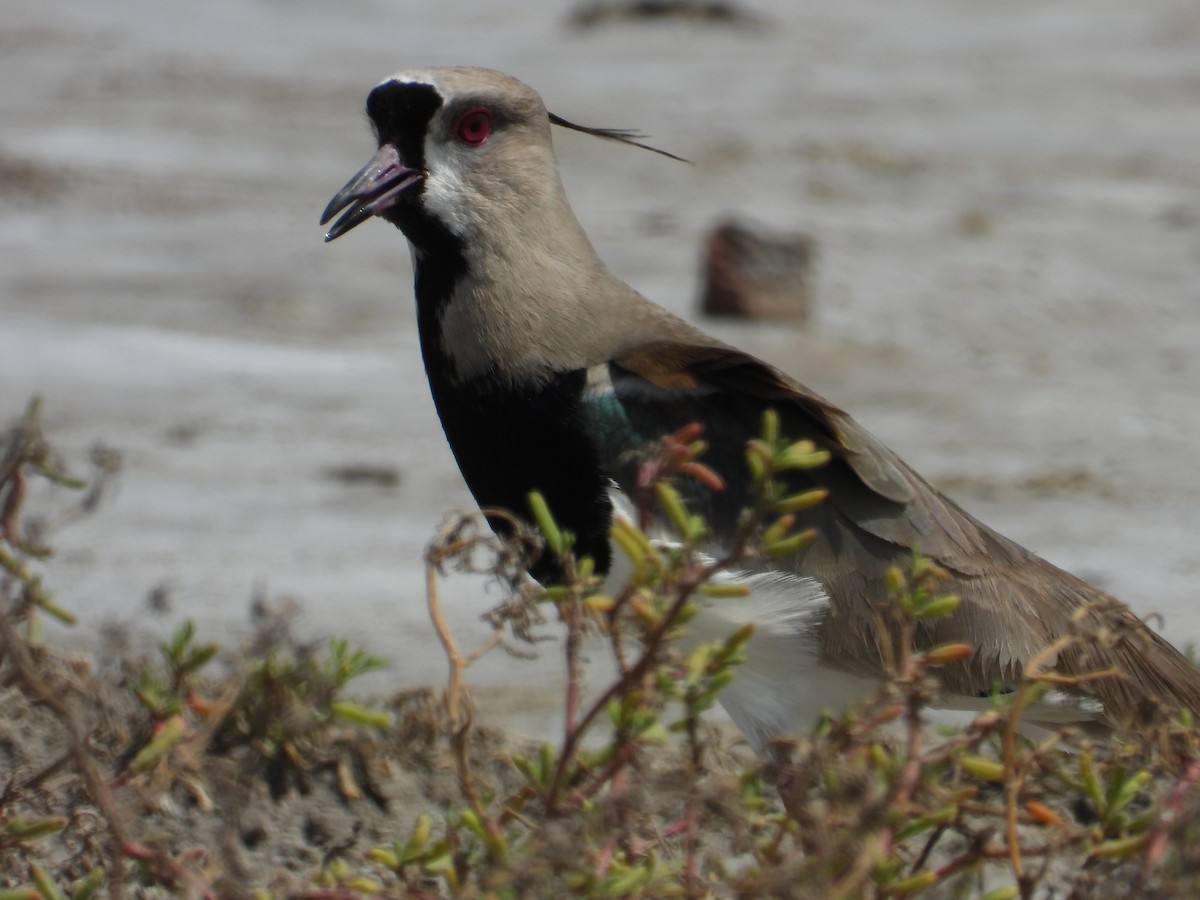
{"x":474,"y":126}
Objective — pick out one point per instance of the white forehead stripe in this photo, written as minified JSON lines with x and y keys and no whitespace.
{"x":415,"y":76}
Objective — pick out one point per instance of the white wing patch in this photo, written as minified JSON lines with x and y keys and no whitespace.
{"x":599,"y":386}
{"x":783,"y":687}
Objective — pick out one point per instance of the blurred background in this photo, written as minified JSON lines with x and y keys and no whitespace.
{"x":1003,"y":199}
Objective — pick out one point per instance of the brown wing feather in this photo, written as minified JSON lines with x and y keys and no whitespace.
{"x":889,"y":500}
{"x":1013,"y":603}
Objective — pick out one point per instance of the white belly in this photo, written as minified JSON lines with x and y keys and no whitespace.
{"x":783,"y":687}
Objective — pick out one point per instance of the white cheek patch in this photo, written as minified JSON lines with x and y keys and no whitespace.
{"x":445,"y":193}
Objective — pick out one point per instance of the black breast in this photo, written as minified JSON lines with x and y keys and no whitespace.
{"x":513,"y":439}
{"x":509,"y":442}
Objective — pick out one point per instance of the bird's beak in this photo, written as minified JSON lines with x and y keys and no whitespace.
{"x":374,"y":190}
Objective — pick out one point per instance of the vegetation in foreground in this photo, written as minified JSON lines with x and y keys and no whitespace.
{"x":200,"y":773}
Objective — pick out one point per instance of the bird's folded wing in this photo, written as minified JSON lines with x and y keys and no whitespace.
{"x":870,"y":486}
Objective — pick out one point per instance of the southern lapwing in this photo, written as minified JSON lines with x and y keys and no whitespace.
{"x":546,"y":370}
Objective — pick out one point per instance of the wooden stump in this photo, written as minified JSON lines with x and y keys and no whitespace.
{"x":756,"y":275}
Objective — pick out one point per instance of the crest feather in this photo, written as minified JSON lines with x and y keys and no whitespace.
{"x":620,"y":135}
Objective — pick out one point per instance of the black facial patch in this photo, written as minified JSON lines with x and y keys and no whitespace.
{"x":401,"y":113}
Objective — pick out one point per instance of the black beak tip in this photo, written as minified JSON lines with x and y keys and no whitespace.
{"x":337,"y":230}
{"x":335,"y":205}
{"x":334,"y":232}
{"x":351,"y":218}
{"x":372,"y":191}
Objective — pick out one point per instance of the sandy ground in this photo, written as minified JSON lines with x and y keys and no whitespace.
{"x":1006,"y":199}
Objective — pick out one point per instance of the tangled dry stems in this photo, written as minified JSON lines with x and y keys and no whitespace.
{"x":639,"y":797}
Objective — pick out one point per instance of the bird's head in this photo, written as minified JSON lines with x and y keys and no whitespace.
{"x":458,"y":148}
{"x":460,"y":151}
{"x":504,"y":274}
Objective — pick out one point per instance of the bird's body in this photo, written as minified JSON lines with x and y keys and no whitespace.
{"x":546,"y":371}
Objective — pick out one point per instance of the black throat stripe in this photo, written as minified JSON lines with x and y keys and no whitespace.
{"x":507,"y":440}
{"x":510,"y":442}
